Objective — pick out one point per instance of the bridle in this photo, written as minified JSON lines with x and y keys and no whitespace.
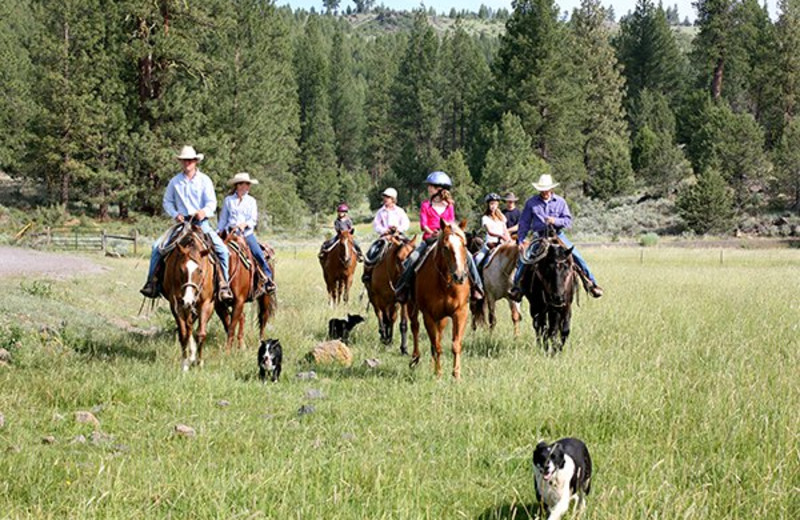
{"x":454,"y":277}
{"x":569,"y":278}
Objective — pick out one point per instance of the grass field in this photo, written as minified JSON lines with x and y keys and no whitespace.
{"x":683,"y":381}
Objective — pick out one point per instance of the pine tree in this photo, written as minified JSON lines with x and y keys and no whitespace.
{"x":511,"y":164}
{"x":783,"y":104}
{"x":787,"y":162}
{"x":606,"y":156}
{"x":381,"y":70}
{"x":346,"y":93}
{"x":465,"y":191}
{"x":706,"y":206}
{"x":715,"y":46}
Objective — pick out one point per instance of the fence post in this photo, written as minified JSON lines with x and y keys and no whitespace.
{"x":47,"y":235}
{"x":103,"y":241}
{"x":135,"y":234}
{"x":76,"y":238}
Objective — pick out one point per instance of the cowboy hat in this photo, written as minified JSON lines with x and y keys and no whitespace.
{"x":545,"y":183}
{"x":510,"y":197}
{"x":189,"y":153}
{"x":241,"y":177}
{"x":390,"y":192}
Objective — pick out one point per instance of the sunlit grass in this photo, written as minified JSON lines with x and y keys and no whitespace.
{"x":682,"y":381}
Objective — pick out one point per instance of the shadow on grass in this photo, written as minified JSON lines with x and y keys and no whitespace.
{"x":511,"y":511}
{"x":128,"y":346}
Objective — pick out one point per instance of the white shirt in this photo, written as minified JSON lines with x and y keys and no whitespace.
{"x":497,"y":227}
{"x":387,"y":218}
{"x":186,"y":196}
{"x":235,"y":211}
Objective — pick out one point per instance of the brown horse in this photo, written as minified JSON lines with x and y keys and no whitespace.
{"x":338,"y":266}
{"x":380,"y":290}
{"x":441,"y":291}
{"x":188,"y":285}
{"x":267,"y":304}
{"x":241,"y":283}
{"x":550,"y":286}
{"x":498,"y":277}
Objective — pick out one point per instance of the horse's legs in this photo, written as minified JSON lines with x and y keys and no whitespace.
{"x":414,"y":316}
{"x":516,"y":316}
{"x":435,"y":329}
{"x":184,"y":337}
{"x":240,"y":334}
{"x":205,"y":313}
{"x":459,"y":324}
{"x":490,"y":305}
{"x":404,"y":330}
{"x":565,"y":326}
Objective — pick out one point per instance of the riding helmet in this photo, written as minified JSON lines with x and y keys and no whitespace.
{"x":492,"y":196}
{"x":342,"y":208}
{"x":439,"y":179}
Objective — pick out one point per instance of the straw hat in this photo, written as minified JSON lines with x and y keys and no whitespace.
{"x":188,"y":153}
{"x":510,"y":197}
{"x":545,"y":183}
{"x":241,"y":177}
{"x":390,"y":192}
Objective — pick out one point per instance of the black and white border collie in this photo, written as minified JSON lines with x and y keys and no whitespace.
{"x":562,"y":472}
{"x":270,"y":357}
{"x":340,"y":329}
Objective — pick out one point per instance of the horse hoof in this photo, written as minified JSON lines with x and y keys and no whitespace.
{"x":414,"y":362}
{"x":185,"y":366}
{"x":403,"y":352}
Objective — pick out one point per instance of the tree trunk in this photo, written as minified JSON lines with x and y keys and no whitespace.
{"x":123,"y":210}
{"x":716,"y":80}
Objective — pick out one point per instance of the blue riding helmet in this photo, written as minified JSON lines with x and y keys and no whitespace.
{"x":439,"y":179}
{"x":492,"y":196}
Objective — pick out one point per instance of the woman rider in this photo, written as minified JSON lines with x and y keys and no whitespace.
{"x":437,"y":207}
{"x":494,"y":222}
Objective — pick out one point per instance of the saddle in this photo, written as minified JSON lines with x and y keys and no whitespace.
{"x":424,"y":257}
{"x":493,"y":249}
{"x":328,"y":249}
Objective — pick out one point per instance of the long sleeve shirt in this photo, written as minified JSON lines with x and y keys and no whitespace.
{"x":343,"y":224}
{"x":186,"y":196}
{"x":388,"y":218}
{"x":236,"y":211}
{"x":429,"y":217}
{"x":536,"y":212}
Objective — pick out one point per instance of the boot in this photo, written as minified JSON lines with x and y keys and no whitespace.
{"x":150,"y":289}
{"x":596,"y":291}
{"x":270,"y":286}
{"x":225,"y":295}
{"x":591,"y":287}
{"x":366,"y":277}
{"x":515,"y":294}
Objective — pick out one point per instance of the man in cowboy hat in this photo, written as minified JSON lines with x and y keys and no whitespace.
{"x":512,"y":213}
{"x":240,"y":213}
{"x":543,"y":210}
{"x":190,"y":195}
{"x":390,"y":219}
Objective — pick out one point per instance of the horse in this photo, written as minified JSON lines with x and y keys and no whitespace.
{"x":498,"y":277}
{"x":188,"y":285}
{"x":441,"y":291}
{"x":267,"y":305}
{"x":338,"y":266}
{"x":380,"y":290}
{"x":240,"y":279}
{"x":550,"y":287}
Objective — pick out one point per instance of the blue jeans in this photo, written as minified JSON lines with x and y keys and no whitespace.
{"x":258,"y":253}
{"x":219,"y":247}
{"x":575,"y":254}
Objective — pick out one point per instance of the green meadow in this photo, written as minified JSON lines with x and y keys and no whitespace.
{"x":684,"y":382}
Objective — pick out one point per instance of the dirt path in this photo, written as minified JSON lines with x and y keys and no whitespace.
{"x":21,"y":261}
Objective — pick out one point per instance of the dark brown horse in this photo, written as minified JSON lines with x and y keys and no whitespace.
{"x":380,"y":290}
{"x":550,"y":286}
{"x":188,"y":285}
{"x":441,"y":291}
{"x":241,"y":283}
{"x":338,"y":266}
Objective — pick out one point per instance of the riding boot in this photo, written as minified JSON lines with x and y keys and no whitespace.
{"x":589,"y":285}
{"x":150,"y":289}
{"x":403,"y":288}
{"x":270,"y":286}
{"x":366,"y":276}
{"x":224,"y":295}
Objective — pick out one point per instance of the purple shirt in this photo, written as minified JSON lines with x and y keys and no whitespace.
{"x":536,"y":211}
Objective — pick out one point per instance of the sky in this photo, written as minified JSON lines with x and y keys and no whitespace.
{"x":621,"y":7}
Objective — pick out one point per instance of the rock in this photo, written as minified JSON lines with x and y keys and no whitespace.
{"x":184,"y":431}
{"x":48,"y":439}
{"x":313,"y":393}
{"x":306,"y":409}
{"x":349,"y":437}
{"x":222,"y":403}
{"x":96,"y":409}
{"x":85,"y":417}
{"x":372,"y":362}
{"x":317,"y":444}
{"x":5,"y":357}
{"x":13,"y":449}
{"x":57,"y":416}
{"x":329,"y":352}
{"x":113,"y":254}
{"x":99,"y":437}
{"x":78,"y":439}
{"x":307,"y":375}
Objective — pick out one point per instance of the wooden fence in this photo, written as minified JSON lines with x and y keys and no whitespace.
{"x":82,"y":240}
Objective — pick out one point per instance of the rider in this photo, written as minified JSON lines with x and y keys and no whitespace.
{"x":240,"y":212}
{"x":190,"y":195}
{"x":389,"y":220}
{"x":541,"y":211}
{"x":439,"y":206}
{"x":512,"y":213}
{"x":342,"y":223}
{"x":494,"y":222}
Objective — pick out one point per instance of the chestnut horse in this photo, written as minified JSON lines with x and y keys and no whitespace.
{"x":498,"y":277}
{"x":550,"y":286}
{"x":380,"y":290}
{"x":242,"y":280}
{"x":188,"y":285}
{"x":441,"y":291}
{"x":338,"y":266}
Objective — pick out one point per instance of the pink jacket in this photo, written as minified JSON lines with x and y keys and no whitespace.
{"x":430,"y":218}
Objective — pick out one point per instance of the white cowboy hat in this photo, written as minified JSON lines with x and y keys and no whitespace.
{"x":545,"y":183}
{"x":188,"y":152}
{"x":390,"y":192}
{"x":241,"y":177}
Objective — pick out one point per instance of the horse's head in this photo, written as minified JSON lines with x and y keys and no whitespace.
{"x":192,"y":263}
{"x":453,"y":245}
{"x":345,"y":238}
{"x":557,"y":274}
{"x":402,"y":248}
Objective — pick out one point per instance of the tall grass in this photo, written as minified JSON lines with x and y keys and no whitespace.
{"x":682,"y":380}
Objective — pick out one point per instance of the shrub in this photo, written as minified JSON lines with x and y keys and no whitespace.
{"x":648,"y":240}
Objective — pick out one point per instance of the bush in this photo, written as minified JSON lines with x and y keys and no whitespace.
{"x":648,"y":240}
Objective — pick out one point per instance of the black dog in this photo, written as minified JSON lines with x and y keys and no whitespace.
{"x":340,"y":329}
{"x":562,"y":472}
{"x":270,"y":356}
